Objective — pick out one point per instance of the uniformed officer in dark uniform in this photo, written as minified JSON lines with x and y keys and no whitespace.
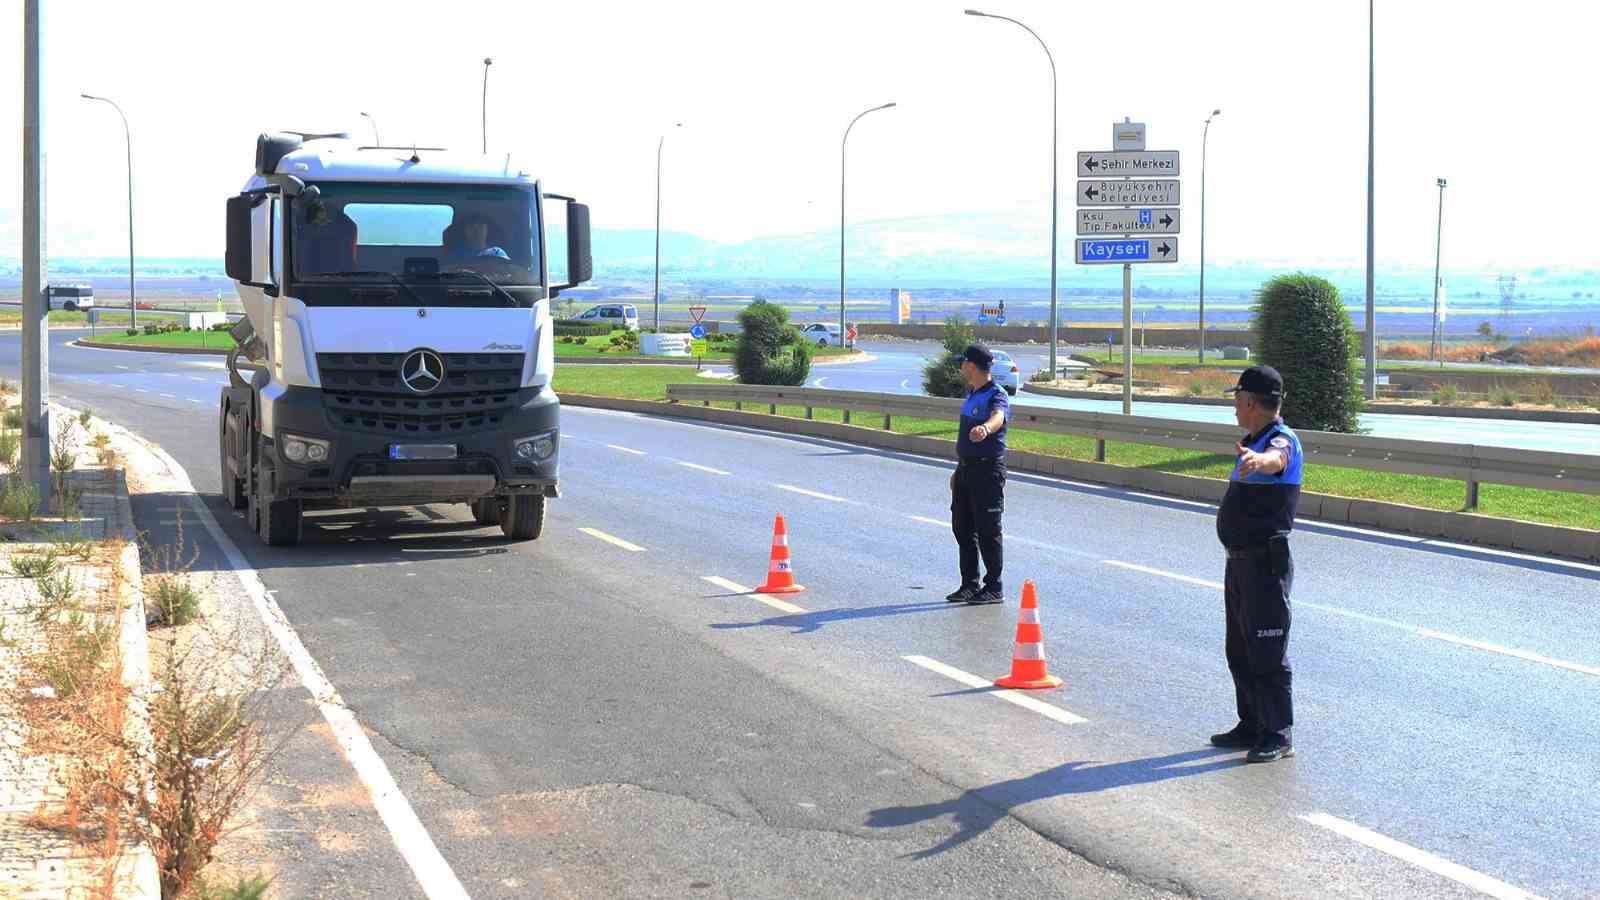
{"x":977,"y":489}
{"x":1253,"y":523}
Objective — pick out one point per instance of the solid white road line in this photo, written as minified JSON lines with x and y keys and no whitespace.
{"x":699,"y":468}
{"x":611,"y":539}
{"x":735,"y":587}
{"x":437,"y":880}
{"x":800,"y":490}
{"x":627,"y":449}
{"x":1417,"y":630}
{"x":1018,"y":698}
{"x":927,"y":521}
{"x":1483,"y":884}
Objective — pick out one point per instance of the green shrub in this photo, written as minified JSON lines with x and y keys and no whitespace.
{"x":1500,"y":395}
{"x":1446,"y":395}
{"x":19,"y":501}
{"x":770,"y":350}
{"x":13,"y":419}
{"x":1543,"y":393}
{"x":10,"y":446}
{"x":174,"y":598}
{"x":941,"y":377}
{"x":576,"y":328}
{"x":1305,"y":334}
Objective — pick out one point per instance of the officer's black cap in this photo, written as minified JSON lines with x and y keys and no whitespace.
{"x":978,"y":355}
{"x":1260,"y":380}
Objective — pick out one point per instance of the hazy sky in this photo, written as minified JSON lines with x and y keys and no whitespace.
{"x":1495,"y":97}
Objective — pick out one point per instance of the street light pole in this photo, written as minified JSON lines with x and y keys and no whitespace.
{"x":842,"y":143}
{"x":1054,"y":130}
{"x":1204,"y":136}
{"x":377,"y":141}
{"x":487,"y":62}
{"x":656,"y":297}
{"x":1372,"y":328}
{"x":133,"y":306}
{"x":1438,"y":241}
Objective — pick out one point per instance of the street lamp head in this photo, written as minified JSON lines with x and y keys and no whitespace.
{"x":487,"y":61}
{"x":1216,"y":112}
{"x":1441,"y":182}
{"x":973,"y":12}
{"x":887,"y":105}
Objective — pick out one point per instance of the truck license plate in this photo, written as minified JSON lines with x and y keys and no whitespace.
{"x":422,"y":451}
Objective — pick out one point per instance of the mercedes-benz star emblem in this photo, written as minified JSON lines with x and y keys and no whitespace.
{"x":422,"y":371}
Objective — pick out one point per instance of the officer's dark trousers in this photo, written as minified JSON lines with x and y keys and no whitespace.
{"x":976,"y":505}
{"x":1258,"y":642}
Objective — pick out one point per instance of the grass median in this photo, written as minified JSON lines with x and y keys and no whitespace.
{"x":1524,"y":504}
{"x":200,"y":340}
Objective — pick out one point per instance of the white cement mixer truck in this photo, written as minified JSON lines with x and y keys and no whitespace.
{"x":396,"y":348}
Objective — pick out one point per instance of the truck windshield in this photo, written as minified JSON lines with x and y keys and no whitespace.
{"x":422,"y":243}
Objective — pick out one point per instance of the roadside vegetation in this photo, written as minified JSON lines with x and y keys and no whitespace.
{"x":1525,"y":504}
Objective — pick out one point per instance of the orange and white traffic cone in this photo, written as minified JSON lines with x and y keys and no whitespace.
{"x":780,"y":573}
{"x":1027,"y":662}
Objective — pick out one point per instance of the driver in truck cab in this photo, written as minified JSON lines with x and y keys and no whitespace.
{"x":468,"y":239}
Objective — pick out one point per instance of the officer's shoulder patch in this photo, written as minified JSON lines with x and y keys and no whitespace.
{"x":1281,"y":442}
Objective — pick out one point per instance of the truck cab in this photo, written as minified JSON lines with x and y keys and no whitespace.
{"x":398,"y":328}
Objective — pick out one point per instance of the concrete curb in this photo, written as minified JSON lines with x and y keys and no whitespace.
{"x":142,"y":871}
{"x":1403,"y":409}
{"x":1465,"y":528}
{"x":135,"y":348}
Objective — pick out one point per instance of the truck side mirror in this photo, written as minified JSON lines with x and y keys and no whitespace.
{"x":580,"y":262}
{"x":251,"y":243}
{"x":238,"y":255}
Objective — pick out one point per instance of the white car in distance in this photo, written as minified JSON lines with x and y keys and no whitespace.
{"x":1005,"y":372}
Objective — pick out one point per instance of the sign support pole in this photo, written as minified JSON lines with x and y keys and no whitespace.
{"x":1127,"y":339}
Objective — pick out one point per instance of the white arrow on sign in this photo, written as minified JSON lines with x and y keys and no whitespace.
{"x":1115,"y":251}
{"x":1160,"y":220}
{"x":1108,"y":163}
{"x":1138,"y":192}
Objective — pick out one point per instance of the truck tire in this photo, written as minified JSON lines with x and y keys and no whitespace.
{"x":279,"y":523}
{"x":522,"y":519}
{"x":233,"y":488}
{"x":486,"y":511}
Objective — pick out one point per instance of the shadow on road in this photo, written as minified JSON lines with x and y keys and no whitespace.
{"x":977,"y":810}
{"x":808,"y":623}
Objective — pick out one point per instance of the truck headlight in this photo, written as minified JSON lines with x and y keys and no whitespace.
{"x":301,"y":449}
{"x":538,"y":447}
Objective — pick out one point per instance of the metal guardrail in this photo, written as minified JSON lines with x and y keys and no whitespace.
{"x":1469,"y":463}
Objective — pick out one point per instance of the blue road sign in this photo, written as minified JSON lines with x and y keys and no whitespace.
{"x":1000,"y":320}
{"x":983,"y":318}
{"x":1127,"y":250}
{"x":1144,"y":217}
{"x":698,"y":331}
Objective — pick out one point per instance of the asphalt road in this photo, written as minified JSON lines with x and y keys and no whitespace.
{"x":578,"y":716}
{"x":898,"y":370}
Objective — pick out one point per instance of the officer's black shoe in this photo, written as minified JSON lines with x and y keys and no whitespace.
{"x":1272,"y":748}
{"x":961,"y":595}
{"x":987,"y":597}
{"x":1240,"y":737}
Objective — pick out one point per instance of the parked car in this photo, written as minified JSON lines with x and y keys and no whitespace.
{"x":825,"y":334}
{"x":1005,"y":372}
{"x":617,"y":315}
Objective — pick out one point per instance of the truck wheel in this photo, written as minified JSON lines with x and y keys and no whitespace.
{"x":486,"y":511}
{"x":522,"y":518}
{"x":233,"y":490}
{"x":279,"y":523}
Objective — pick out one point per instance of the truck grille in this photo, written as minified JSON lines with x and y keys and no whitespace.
{"x":364,"y":391}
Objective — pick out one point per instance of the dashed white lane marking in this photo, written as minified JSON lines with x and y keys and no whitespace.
{"x":170,"y":396}
{"x":1135,"y":567}
{"x":1417,"y":630}
{"x":736,"y":588}
{"x":125,"y":368}
{"x":1017,"y":698}
{"x":197,"y":378}
{"x":699,"y":468}
{"x":927,"y":521}
{"x":193,"y":400}
{"x":1509,"y":651}
{"x":437,"y":880}
{"x":627,"y":449}
{"x":612,"y":539}
{"x":802,"y":491}
{"x":141,"y":391}
{"x":1483,"y":884}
